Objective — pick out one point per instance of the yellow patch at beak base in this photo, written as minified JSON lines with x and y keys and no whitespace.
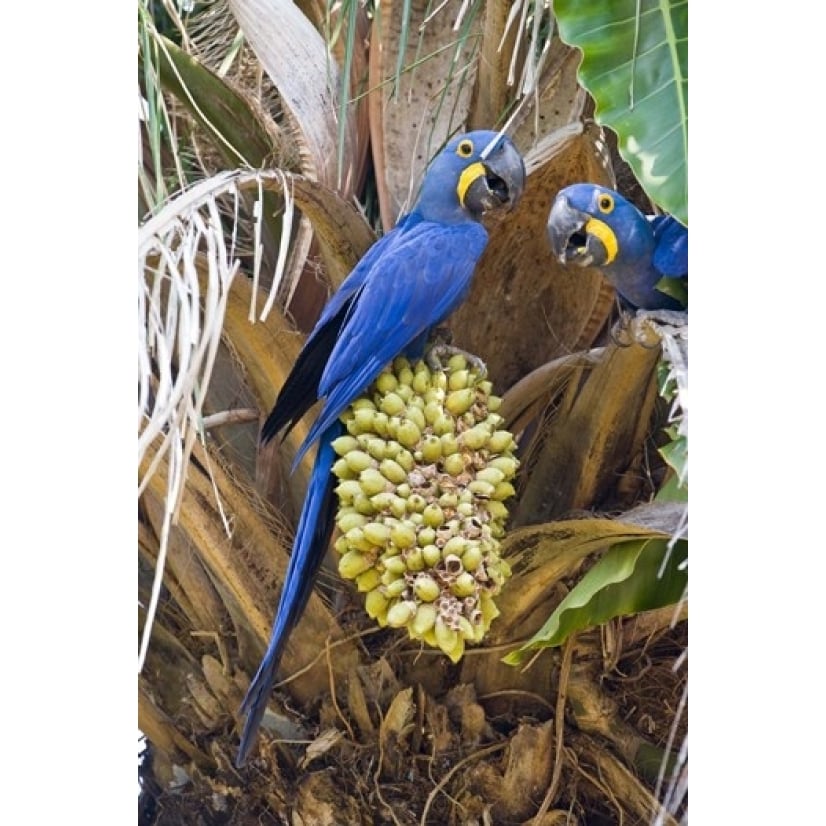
{"x":468,"y":176}
{"x":606,"y":235}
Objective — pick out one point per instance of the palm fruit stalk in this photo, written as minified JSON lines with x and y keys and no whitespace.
{"x":424,"y":471}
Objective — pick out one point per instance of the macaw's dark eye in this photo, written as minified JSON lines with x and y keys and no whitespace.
{"x":464,"y":149}
{"x":605,"y":203}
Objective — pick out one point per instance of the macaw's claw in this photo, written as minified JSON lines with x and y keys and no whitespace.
{"x":646,"y":335}
{"x":621,"y":333}
{"x":651,"y":326}
{"x":438,"y":353}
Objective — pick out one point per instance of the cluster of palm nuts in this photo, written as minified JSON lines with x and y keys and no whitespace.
{"x":424,"y":472}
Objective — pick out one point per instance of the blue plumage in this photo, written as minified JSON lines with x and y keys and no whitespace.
{"x":592,"y":226}
{"x":407,"y":283}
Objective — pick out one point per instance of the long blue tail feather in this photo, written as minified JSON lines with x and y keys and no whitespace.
{"x":311,"y":539}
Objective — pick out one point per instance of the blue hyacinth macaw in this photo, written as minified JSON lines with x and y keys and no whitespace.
{"x":406,"y":284}
{"x":591,"y":226}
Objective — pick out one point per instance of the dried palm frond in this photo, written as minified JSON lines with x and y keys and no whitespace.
{"x":180,"y":325}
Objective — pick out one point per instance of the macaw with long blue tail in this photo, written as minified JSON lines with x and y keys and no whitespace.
{"x":591,"y":226}
{"x":407,"y":283}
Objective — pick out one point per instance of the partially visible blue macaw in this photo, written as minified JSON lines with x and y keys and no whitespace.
{"x":591,"y":226}
{"x":407,"y":283}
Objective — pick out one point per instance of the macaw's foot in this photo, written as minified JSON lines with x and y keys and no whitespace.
{"x":647,"y":327}
{"x":440,"y":351}
{"x":652,"y":327}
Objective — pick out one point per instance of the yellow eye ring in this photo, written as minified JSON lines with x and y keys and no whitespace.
{"x":464,"y":149}
{"x":605,"y":203}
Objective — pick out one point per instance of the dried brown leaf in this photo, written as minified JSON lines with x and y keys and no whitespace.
{"x":249,"y":566}
{"x":216,"y":677}
{"x":381,"y":684}
{"x":324,"y":742}
{"x":627,"y":790}
{"x":357,"y":706}
{"x":162,"y":731}
{"x":463,"y":707}
{"x":203,"y":702}
{"x":526,"y":399}
{"x":527,"y":766}
{"x":583,"y":450}
{"x":556,"y":817}
{"x":185,"y":577}
{"x":409,"y":124}
{"x":542,"y":558}
{"x":321,"y":801}
{"x":397,"y":718}
{"x":492,"y":93}
{"x":394,"y":730}
{"x":295,"y":56}
{"x":558,"y":101}
{"x":440,"y":732}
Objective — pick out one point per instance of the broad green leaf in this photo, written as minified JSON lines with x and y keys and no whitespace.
{"x":635,"y":65}
{"x":672,"y":491}
{"x":676,"y":454}
{"x":666,"y":383}
{"x":237,"y":132}
{"x":542,"y":556}
{"x":634,"y":576}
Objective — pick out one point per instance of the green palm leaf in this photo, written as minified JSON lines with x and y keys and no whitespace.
{"x":635,"y":65}
{"x":634,"y":576}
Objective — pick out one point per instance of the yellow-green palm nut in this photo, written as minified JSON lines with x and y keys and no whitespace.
{"x":420,"y":532}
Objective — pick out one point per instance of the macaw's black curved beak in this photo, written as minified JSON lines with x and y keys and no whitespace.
{"x":500,"y":179}
{"x":574,"y":237}
{"x":566,"y":232}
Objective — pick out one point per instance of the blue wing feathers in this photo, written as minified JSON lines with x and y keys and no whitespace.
{"x":671,"y":250}
{"x":300,"y":390}
{"x":426,"y":288}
